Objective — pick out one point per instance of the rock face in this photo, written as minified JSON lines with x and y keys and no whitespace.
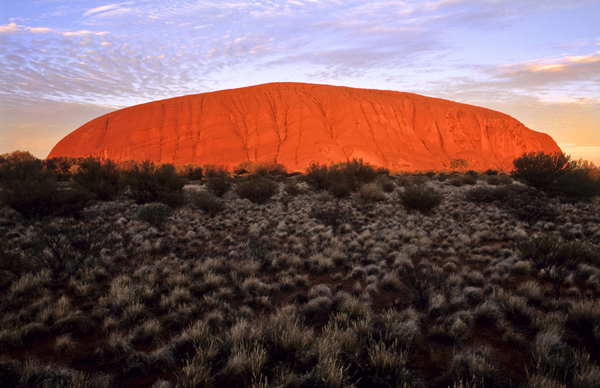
{"x":295,"y":124}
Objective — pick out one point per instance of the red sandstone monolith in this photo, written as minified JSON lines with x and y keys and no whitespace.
{"x":295,"y":124}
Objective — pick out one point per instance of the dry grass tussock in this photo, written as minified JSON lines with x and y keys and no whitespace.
{"x":289,"y":281}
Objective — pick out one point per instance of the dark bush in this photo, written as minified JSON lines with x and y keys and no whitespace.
{"x":491,"y":172}
{"x":61,"y":166}
{"x":420,"y":279}
{"x":540,"y":170}
{"x":258,"y":250}
{"x":486,"y":194}
{"x":555,"y":257}
{"x":340,"y":186}
{"x":580,"y":183}
{"x":219,"y":184}
{"x":155,"y":213}
{"x":257,"y":188}
{"x":317,"y":176}
{"x":211,"y":170}
{"x":331,"y":214}
{"x":69,"y":245}
{"x":341,"y":179}
{"x":100,"y":177}
{"x":148,"y":183}
{"x":420,"y":197}
{"x":35,"y":193}
{"x":528,"y":204}
{"x":190,"y":171}
{"x":386,"y":184}
{"x":360,"y":173}
{"x":208,"y":203}
{"x":501,"y":179}
{"x":291,"y":187}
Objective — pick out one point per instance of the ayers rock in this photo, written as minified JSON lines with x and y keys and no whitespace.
{"x":295,"y":124}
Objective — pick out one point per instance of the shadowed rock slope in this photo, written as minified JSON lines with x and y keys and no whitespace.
{"x":295,"y":124}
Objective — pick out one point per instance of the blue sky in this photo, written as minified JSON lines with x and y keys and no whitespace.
{"x":65,"y":62}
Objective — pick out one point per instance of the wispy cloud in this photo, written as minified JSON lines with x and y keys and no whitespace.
{"x":109,"y":10}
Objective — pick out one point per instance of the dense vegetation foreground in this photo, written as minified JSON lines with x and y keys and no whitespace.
{"x":345,"y":276}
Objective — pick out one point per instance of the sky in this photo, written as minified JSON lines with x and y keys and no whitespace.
{"x":66,"y":62}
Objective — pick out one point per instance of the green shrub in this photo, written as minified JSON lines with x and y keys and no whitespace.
{"x":420,"y":197}
{"x":331,"y":214}
{"x":555,"y":257}
{"x":486,"y":194}
{"x":317,"y":176}
{"x":291,"y":187}
{"x":68,"y":245}
{"x":528,"y":204}
{"x":155,"y":213}
{"x":61,"y":166}
{"x":467,"y":179}
{"x":495,"y":180}
{"x":340,"y":186}
{"x":35,"y":193}
{"x":387,"y":185}
{"x":190,"y":171}
{"x":580,"y":183}
{"x":540,"y":170}
{"x":148,"y":183}
{"x":100,"y":177}
{"x":257,"y":188}
{"x":208,"y":203}
{"x":219,"y":185}
{"x":341,"y":179}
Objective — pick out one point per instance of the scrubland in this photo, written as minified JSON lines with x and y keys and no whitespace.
{"x":287,"y":280}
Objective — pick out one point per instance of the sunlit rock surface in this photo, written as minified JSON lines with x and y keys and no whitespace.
{"x":295,"y":124}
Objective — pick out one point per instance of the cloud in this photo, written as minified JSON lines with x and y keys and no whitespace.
{"x":9,"y":28}
{"x":545,"y":72}
{"x":111,"y":9}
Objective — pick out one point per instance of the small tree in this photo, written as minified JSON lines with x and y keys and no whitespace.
{"x":100,"y":177}
{"x":148,"y":183}
{"x":555,"y":257}
{"x":539,"y":169}
{"x":580,"y":183}
{"x":420,"y":279}
{"x":30,"y":189}
{"x":317,"y":176}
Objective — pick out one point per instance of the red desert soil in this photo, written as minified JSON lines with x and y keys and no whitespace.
{"x":295,"y":124}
